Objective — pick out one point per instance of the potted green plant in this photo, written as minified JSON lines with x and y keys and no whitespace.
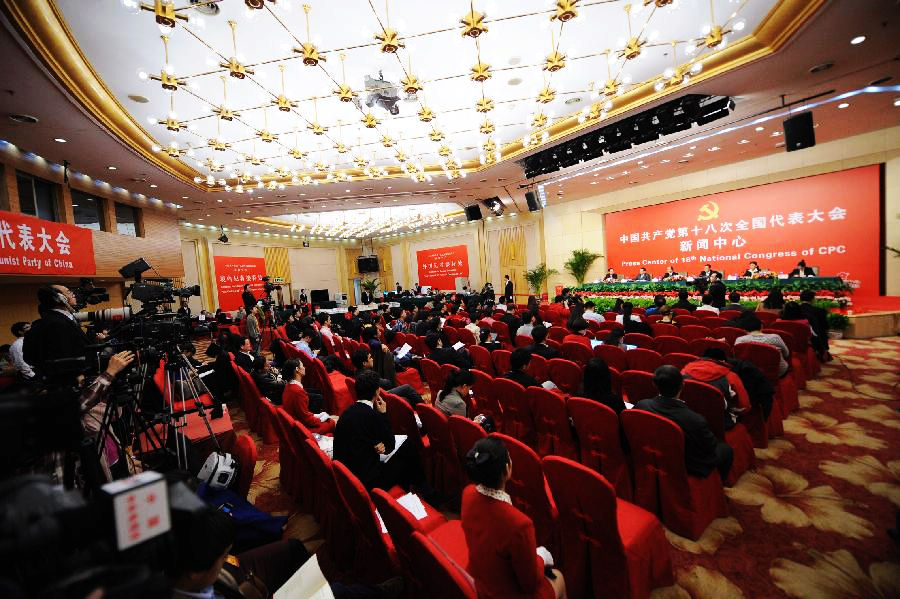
{"x":537,"y":276}
{"x":579,"y":264}
{"x":370,"y":285}
{"x":837,"y":324}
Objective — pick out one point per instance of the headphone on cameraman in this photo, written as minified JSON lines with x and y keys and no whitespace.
{"x":50,"y":298}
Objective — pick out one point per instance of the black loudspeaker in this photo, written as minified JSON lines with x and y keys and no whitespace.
{"x":318,"y":296}
{"x":473,"y":212}
{"x":327,"y":305}
{"x":532,"y":200}
{"x":798,"y":132}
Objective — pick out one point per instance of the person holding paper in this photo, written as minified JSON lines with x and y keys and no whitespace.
{"x":295,"y":400}
{"x":504,"y":558}
{"x":452,"y":398}
{"x":362,"y":361}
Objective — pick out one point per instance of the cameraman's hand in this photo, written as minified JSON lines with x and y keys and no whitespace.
{"x":118,"y":362}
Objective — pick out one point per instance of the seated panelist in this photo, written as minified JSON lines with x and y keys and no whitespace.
{"x":643,"y":275}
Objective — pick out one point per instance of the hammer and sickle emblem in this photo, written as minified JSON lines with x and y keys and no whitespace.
{"x":708,"y":211}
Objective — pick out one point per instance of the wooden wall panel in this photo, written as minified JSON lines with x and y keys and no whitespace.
{"x":278,"y":263}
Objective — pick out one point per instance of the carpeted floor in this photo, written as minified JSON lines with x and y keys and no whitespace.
{"x":809,"y":522}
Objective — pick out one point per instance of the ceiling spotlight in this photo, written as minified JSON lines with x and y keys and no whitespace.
{"x":760,"y":128}
{"x":223,"y":237}
{"x":896,"y":101}
{"x":858,"y":40}
{"x":59,"y":140}
{"x":843,"y":105}
{"x":111,"y":168}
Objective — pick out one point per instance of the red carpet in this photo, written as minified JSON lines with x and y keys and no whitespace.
{"x":809,"y":522}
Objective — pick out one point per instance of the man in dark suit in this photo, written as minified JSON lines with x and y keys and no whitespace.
{"x":752,"y":269}
{"x":703,"y":453}
{"x":670,"y":272}
{"x":735,"y":302}
{"x":539,"y":334}
{"x":245,"y":356}
{"x":717,"y":291}
{"x":446,"y":355}
{"x":611,"y":276}
{"x":399,"y":288}
{"x":802,"y":270}
{"x":643,"y":275}
{"x":248,"y":298}
{"x":518,"y":362}
{"x":55,"y":335}
{"x":508,"y":290}
{"x":818,"y":320}
{"x":683,"y":302}
{"x":707,"y":272}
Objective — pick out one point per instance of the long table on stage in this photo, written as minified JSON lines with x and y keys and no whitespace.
{"x":741,"y":285}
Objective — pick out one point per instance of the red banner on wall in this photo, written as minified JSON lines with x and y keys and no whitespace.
{"x":439,"y":267}
{"x":232,"y":273}
{"x":831,"y":221}
{"x":34,"y":246}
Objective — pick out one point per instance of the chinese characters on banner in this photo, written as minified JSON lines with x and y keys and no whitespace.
{"x":831,"y":221}
{"x":232,"y":273}
{"x":33,"y":246}
{"x":439,"y":267}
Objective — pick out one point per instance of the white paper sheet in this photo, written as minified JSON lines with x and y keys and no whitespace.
{"x":595,"y":343}
{"x":307,"y":583}
{"x":458,"y":345}
{"x":398,"y":441}
{"x":404,"y":349}
{"x":326,"y":444}
{"x":413,"y":505}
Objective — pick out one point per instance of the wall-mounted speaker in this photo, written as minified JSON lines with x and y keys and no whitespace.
{"x":799,"y":132}
{"x":534,"y":204}
{"x":473,"y":212}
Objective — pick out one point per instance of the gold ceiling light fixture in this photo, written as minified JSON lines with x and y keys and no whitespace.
{"x":410,"y":83}
{"x":164,"y":12}
{"x":426,"y":115}
{"x":166,"y":76}
{"x":216,"y":143}
{"x":677,"y":75}
{"x":539,"y":120}
{"x":343,"y":92}
{"x":481,"y":72}
{"x":311,"y":56}
{"x":213,"y":166}
{"x":565,"y":11}
{"x":370,"y":121}
{"x":658,"y":3}
{"x":716,"y":35}
{"x":555,"y":60}
{"x":387,"y":141}
{"x":225,"y":113}
{"x":390,"y":39}
{"x":473,"y":23}
{"x":436,"y":135}
{"x":235,"y":68}
{"x":444,"y":151}
{"x":634,"y":45}
{"x":284,"y":105}
{"x":315,"y":127}
{"x":401,"y":157}
{"x":282,"y":173}
{"x":172,"y":150}
{"x":485,"y":104}
{"x":171,"y":121}
{"x":339,"y":146}
{"x":296,"y":152}
{"x":611,"y":87}
{"x":487,"y":127}
{"x":265,"y":134}
{"x":252,"y":158}
{"x":546,"y":95}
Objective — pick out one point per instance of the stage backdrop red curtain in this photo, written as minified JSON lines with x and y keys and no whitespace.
{"x":832,"y":221}
{"x":232,"y":273}
{"x":439,"y":267}
{"x":34,"y":246}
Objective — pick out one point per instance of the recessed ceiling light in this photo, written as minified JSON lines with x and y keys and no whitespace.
{"x":199,"y":219}
{"x":514,"y":81}
{"x":744,"y":141}
{"x":776,"y":133}
{"x":303,"y":194}
{"x":220,"y":201}
{"x":713,"y":149}
{"x":780,"y":144}
{"x":760,"y":128}
{"x":360,"y":203}
{"x":575,"y":100}
{"x":896,"y":101}
{"x":347,"y":190}
{"x":692,"y":148}
{"x":390,"y":187}
{"x":395,"y":199}
{"x":688,"y":155}
{"x":59,"y":140}
{"x":858,"y":40}
{"x":184,"y":197}
{"x":153,"y":185}
{"x":111,"y":168}
{"x":844,"y":105}
{"x":247,"y":211}
{"x":138,"y":99}
{"x":593,"y":182}
{"x":665,"y":161}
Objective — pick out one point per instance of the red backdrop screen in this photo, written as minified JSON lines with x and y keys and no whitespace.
{"x":34,"y":246}
{"x":232,"y":273}
{"x":439,"y":267}
{"x":832,"y":221}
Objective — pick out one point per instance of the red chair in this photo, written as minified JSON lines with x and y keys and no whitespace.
{"x":375,"y":554}
{"x":466,"y":336}
{"x":502,"y":330}
{"x":554,"y":344}
{"x":445,"y":579}
{"x":599,"y":443}
{"x":593,"y":325}
{"x":729,"y":314}
{"x":566,"y":375}
{"x":538,"y":367}
{"x":668,"y":344}
{"x":678,"y":360}
{"x":685,"y":504}
{"x":530,"y":492}
{"x":638,"y":385}
{"x":557,"y":333}
{"x":481,"y":359}
{"x":797,"y":358}
{"x":681,"y":312}
{"x":803,"y":334}
{"x":403,"y":420}
{"x":431,"y":370}
{"x":610,"y":325}
{"x":708,"y":401}
{"x":551,"y":423}
{"x":699,"y":346}
{"x":689,"y":332}
{"x":576,"y":352}
{"x":715,"y":321}
{"x":614,"y":356}
{"x":616,"y":379}
{"x":610,"y":547}
{"x":643,"y":359}
{"x":683,"y":319}
{"x":601,"y":335}
{"x":523,"y":341}
{"x":500,"y":358}
{"x":767,"y":358}
{"x":766,"y":318}
{"x":465,"y":434}
{"x":446,"y":370}
{"x":289,"y":472}
{"x":639,"y":339}
{"x":451,"y":335}
{"x":332,"y":513}
{"x":663,"y":328}
{"x":610,"y":316}
{"x":245,"y":452}
{"x":485,"y":400}
{"x":728,"y":333}
{"x":653,"y":318}
{"x":518,"y":421}
{"x":446,"y":471}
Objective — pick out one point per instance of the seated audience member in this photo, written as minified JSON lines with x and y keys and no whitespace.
{"x":324,"y":321}
{"x":446,"y":355}
{"x":668,"y":317}
{"x":620,"y":318}
{"x":530,"y":320}
{"x":290,"y":327}
{"x":670,"y":272}
{"x":632,"y":323}
{"x":658,"y":302}
{"x":589,"y":313}
{"x":643,"y":275}
{"x":484,"y":340}
{"x":268,"y":383}
{"x":363,"y":361}
{"x":818,"y":320}
{"x":504,"y":558}
{"x":616,"y":338}
{"x":774,"y":302}
{"x":683,"y":302}
{"x":714,"y":369}
{"x":305,"y":341}
{"x":512,"y":323}
{"x":23,"y":369}
{"x":579,"y":328}
{"x":7,"y":368}
{"x":243,"y":353}
{"x":518,"y":362}
{"x":363,"y":434}
{"x":617,"y":307}
{"x":452,"y":398}
{"x":703,"y":453}
{"x":611,"y":276}
{"x":802,"y":270}
{"x":734,"y":302}
{"x":540,"y":347}
{"x":706,"y":305}
{"x":752,"y":269}
{"x":597,"y":385}
{"x":794,"y":311}
{"x":297,"y":401}
{"x":753,"y":326}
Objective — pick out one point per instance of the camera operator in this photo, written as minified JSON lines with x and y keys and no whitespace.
{"x":248,"y":298}
{"x":56,"y":334}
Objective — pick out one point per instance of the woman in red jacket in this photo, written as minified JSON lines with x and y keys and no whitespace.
{"x":296,"y":402}
{"x":504,"y":558}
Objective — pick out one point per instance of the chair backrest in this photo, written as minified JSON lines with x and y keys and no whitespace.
{"x":789,"y":339}
{"x":553,"y":343}
{"x":551,"y":423}
{"x":766,"y":357}
{"x":714,"y":321}
{"x":566,"y":375}
{"x":693,"y":331}
{"x":518,"y":421}
{"x":613,"y":355}
{"x":647,"y":360}
{"x":400,"y":524}
{"x":481,"y":359}
{"x":557,"y":333}
{"x":683,"y":319}
{"x":465,"y":433}
{"x":639,"y":339}
{"x":485,"y":402}
{"x":609,"y":325}
{"x":610,"y":316}
{"x":590,"y":532}
{"x":707,"y":401}
{"x":529,"y":489}
{"x":593,"y":325}
{"x":500,"y":358}
{"x":452,"y":335}
{"x":502,"y":330}
{"x":728,"y":333}
{"x":599,"y":443}
{"x":446,"y":369}
{"x":681,"y":312}
{"x":438,"y":430}
{"x":678,"y":359}
{"x":663,"y":328}
{"x":766,"y":318}
{"x":698,"y":346}
{"x":538,"y":367}
{"x":667,"y":344}
{"x":445,"y":579}
{"x":466,"y":336}
{"x":576,"y":352}
{"x":653,"y":318}
{"x":402,"y":417}
{"x":245,"y":451}
{"x":431,"y":370}
{"x":638,"y":385}
{"x":523,"y":340}
{"x":800,"y":331}
{"x":729,"y":314}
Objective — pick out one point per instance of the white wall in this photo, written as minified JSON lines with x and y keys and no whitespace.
{"x":314,"y":268}
{"x":191,"y":276}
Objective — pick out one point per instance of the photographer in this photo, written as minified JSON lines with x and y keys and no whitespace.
{"x":55,"y":335}
{"x":93,"y":406}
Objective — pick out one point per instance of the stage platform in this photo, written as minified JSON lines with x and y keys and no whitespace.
{"x":873,"y":317}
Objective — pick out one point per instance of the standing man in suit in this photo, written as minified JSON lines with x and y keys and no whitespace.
{"x":508,"y":290}
{"x":55,"y":335}
{"x":703,"y":453}
{"x":643,"y":275}
{"x":717,"y":291}
{"x":248,"y":298}
{"x":399,"y":288}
